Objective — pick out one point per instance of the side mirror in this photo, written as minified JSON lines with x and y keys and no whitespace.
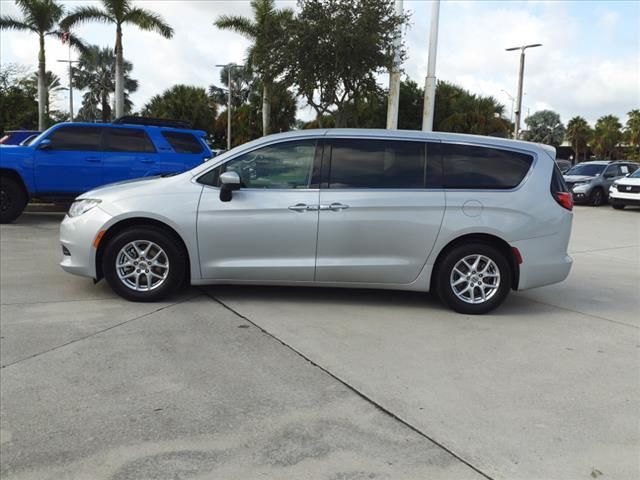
{"x":230,"y":181}
{"x":609,"y":175}
{"x":44,"y":144}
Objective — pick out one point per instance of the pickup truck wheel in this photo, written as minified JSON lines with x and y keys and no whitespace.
{"x":12,"y":199}
{"x":144,"y":264}
{"x":474,"y":278}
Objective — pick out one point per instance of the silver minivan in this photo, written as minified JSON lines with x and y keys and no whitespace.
{"x":467,"y":217}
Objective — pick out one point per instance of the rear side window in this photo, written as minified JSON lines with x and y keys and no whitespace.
{"x":128,"y":140}
{"x":76,"y":138}
{"x":377,"y":164}
{"x":183,"y":142}
{"x":475,"y":167}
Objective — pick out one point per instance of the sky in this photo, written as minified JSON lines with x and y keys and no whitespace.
{"x":589,"y":63}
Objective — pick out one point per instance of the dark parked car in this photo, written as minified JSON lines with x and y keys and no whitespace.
{"x":16,"y":137}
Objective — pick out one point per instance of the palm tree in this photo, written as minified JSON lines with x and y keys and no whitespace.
{"x":96,"y":74}
{"x":267,"y":31}
{"x":633,"y":128}
{"x":40,"y":17}
{"x":120,"y":12}
{"x":578,"y":133}
{"x":606,"y":136}
{"x":52,"y":84}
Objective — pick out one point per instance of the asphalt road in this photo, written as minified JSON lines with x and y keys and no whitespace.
{"x":251,"y":382}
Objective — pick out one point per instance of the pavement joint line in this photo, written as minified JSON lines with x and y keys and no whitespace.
{"x":76,"y":340}
{"x":604,"y":249}
{"x":362,"y":395}
{"x":597,"y":317}
{"x":97,"y":299}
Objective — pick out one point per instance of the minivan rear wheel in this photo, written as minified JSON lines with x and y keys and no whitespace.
{"x":473,"y":278}
{"x":144,"y":264}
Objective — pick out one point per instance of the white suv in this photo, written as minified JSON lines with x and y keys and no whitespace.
{"x":468,"y":217}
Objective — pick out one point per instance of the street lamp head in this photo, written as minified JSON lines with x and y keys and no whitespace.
{"x":523,"y":47}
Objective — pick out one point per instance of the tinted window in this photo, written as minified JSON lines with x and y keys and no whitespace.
{"x":377,"y":164}
{"x":284,"y":165}
{"x":128,"y":140}
{"x":183,"y":142}
{"x":76,"y":138}
{"x":466,"y":166}
{"x":587,"y":169}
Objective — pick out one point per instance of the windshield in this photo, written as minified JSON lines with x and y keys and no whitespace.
{"x":586,"y":169}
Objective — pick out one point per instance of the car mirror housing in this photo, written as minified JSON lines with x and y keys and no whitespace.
{"x":44,"y":144}
{"x":230,"y":181}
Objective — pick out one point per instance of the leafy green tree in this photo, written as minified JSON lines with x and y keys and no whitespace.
{"x":184,"y":102}
{"x":53,"y":87}
{"x":578,"y":134}
{"x":607,"y":134}
{"x":18,"y":106}
{"x":336,"y":48}
{"x":545,"y":126}
{"x":119,"y":13}
{"x":40,"y":17}
{"x":96,"y":75}
{"x":267,"y":31}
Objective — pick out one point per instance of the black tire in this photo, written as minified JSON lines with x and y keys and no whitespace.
{"x":173,"y":252}
{"x":617,"y":206}
{"x":457,"y":254}
{"x":597,"y":197}
{"x":13,"y":199}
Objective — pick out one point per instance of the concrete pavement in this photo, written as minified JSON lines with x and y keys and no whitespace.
{"x":230,"y":382}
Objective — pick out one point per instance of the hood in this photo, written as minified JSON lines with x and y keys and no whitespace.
{"x":628,"y":181}
{"x":577,"y":178}
{"x":132,"y":188}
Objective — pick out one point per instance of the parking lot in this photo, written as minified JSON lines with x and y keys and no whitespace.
{"x":293,"y":383}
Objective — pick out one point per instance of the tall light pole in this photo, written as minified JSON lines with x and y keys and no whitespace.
{"x":229,"y":67}
{"x":394,"y":77}
{"x":70,"y":62}
{"x":516,"y":130}
{"x":430,"y":83}
{"x":513,"y":99}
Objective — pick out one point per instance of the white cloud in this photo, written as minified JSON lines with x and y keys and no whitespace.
{"x":587,"y":66}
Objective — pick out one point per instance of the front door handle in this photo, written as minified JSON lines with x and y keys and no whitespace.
{"x":300,"y":207}
{"x":146,"y":160}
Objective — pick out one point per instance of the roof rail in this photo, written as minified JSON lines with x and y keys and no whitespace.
{"x":155,"y":122}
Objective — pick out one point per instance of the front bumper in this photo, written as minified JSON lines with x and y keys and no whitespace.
{"x":617,"y":196}
{"x":77,"y":235}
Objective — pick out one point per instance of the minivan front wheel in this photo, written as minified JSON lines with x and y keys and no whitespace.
{"x":144,"y":264}
{"x":473,"y":278}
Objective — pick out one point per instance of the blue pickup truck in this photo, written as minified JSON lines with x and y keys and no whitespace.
{"x":71,"y":158}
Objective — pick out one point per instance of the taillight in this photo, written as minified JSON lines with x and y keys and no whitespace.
{"x":565,"y":199}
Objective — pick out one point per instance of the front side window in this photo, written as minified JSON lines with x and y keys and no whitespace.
{"x":183,"y":142}
{"x":475,"y":167}
{"x":283,"y":166}
{"x":377,"y":164}
{"x":128,"y":140}
{"x":76,"y":138}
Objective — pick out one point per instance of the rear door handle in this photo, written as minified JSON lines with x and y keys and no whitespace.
{"x":335,"y":207}
{"x":92,"y":159}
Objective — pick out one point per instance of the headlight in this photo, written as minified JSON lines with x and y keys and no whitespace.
{"x":614,"y":186}
{"x":580,"y":186}
{"x":82,"y":206}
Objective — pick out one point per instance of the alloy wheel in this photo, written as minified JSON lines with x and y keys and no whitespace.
{"x":475,"y":279}
{"x":142,"y":265}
